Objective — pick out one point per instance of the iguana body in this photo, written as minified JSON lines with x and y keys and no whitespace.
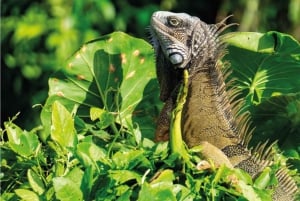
{"x":185,"y":42}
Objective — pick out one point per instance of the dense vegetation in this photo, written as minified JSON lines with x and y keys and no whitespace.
{"x":38,"y":36}
{"x":94,"y":140}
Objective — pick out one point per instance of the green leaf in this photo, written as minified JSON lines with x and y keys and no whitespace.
{"x":115,"y":72}
{"x":162,"y":188}
{"x":106,"y":118}
{"x":35,"y":182}
{"x":266,"y":68}
{"x":67,"y":188}
{"x":265,"y":64}
{"x":278,"y":118}
{"x":91,"y":154}
{"x":248,"y":192}
{"x":63,"y":131}
{"x":163,"y":191}
{"x":263,"y":179}
{"x":75,"y":175}
{"x":87,"y":182}
{"x":21,"y":142}
{"x":130,"y":159}
{"x":122,"y":176}
{"x":243,"y":175}
{"x":95,"y":113}
{"x":27,"y":195}
{"x":161,"y":150}
{"x":165,"y":176}
{"x":125,"y":196}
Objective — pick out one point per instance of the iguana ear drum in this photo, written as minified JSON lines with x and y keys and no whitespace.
{"x":176,"y":58}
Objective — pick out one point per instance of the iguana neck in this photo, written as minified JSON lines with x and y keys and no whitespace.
{"x":207,"y":115}
{"x":181,"y":42}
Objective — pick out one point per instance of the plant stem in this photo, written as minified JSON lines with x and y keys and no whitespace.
{"x":176,"y":142}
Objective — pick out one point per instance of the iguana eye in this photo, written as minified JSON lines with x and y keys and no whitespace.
{"x":174,"y":22}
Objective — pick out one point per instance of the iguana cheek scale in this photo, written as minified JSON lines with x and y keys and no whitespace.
{"x":208,"y":116}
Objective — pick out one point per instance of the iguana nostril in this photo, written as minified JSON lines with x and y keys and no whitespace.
{"x":176,"y":58}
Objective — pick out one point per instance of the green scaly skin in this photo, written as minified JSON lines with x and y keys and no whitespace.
{"x":176,"y":141}
{"x":182,"y":42}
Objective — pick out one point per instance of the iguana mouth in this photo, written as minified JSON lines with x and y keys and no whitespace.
{"x":161,"y":37}
{"x":174,"y":56}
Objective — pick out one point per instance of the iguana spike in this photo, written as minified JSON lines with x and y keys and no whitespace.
{"x":243,"y":128}
{"x":287,"y":187}
{"x":211,"y":113}
{"x":268,"y":153}
{"x":263,"y":155}
{"x":223,"y":26}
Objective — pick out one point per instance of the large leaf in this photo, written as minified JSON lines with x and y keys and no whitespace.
{"x":267,"y":70}
{"x":278,"y":118}
{"x":116,"y":73}
{"x":264,"y":64}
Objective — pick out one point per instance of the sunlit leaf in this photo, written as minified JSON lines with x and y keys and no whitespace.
{"x":27,"y":195}
{"x":67,"y":188}
{"x":105,"y":117}
{"x":264,"y":179}
{"x":165,"y":176}
{"x":266,"y":68}
{"x":62,"y":128}
{"x":115,"y":73}
{"x":35,"y":182}
{"x":157,"y":192}
{"x":249,"y":192}
{"x":264,"y":64}
{"x":92,"y":155}
{"x":125,"y":196}
{"x":130,"y":159}
{"x":22,"y":142}
{"x":121,"y":176}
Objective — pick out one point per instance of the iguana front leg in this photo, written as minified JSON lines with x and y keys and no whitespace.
{"x":212,"y":153}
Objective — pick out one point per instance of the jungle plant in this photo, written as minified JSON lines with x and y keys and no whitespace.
{"x":95,"y":141}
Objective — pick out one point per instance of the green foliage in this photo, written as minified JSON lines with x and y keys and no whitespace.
{"x":38,"y":36}
{"x":22,"y":142}
{"x":267,"y":68}
{"x":62,"y":126}
{"x":98,"y":123}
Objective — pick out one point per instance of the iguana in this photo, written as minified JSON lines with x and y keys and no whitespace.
{"x":209,"y":115}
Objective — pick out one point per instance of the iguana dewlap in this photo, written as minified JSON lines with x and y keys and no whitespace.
{"x":185,"y":42}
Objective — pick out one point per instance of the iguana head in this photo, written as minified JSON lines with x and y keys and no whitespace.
{"x":181,"y":42}
{"x":182,"y":37}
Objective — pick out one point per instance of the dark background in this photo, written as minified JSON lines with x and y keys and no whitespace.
{"x":38,"y":36}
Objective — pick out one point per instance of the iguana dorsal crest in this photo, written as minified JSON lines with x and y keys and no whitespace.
{"x":210,"y":113}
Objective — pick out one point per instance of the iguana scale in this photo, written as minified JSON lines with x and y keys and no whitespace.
{"x":209,"y":117}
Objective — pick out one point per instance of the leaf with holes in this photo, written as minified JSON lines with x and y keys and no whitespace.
{"x":115,"y":73}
